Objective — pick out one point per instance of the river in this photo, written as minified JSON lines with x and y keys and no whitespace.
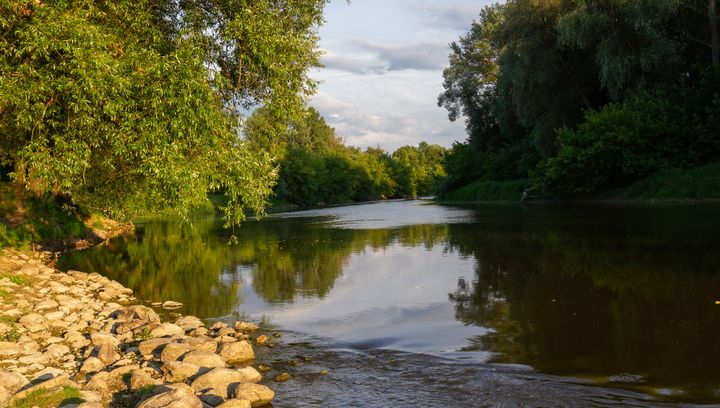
{"x":410,"y":303}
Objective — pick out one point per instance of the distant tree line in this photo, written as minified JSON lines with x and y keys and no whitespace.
{"x":316,"y":167}
{"x":584,"y":95}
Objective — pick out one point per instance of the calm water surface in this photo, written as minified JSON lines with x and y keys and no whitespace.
{"x":407,"y":303}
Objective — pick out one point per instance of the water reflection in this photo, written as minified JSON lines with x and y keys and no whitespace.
{"x":623,"y":296}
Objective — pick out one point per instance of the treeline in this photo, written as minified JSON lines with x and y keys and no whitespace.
{"x":316,"y":167}
{"x":584,"y":96}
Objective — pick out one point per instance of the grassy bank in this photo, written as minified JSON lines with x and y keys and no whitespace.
{"x":702,"y":183}
{"x":488,"y":191}
{"x":674,"y":184}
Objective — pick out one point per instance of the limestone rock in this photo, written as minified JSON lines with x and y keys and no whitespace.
{"x":92,"y":365}
{"x":204,"y":359}
{"x":222,"y":378}
{"x":170,"y":305}
{"x":173,"y":351}
{"x":257,"y":394}
{"x":246,"y":327}
{"x":237,"y":351}
{"x":166,"y":330}
{"x":141,"y":379}
{"x":98,"y":339}
{"x":9,"y":348}
{"x":189,"y":322}
{"x":153,"y":346}
{"x":175,"y":398}
{"x":178,"y":371}
{"x":11,"y":382}
{"x":108,"y":354}
{"x":235,"y":403}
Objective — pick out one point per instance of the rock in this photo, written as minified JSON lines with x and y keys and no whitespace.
{"x":246,"y":327}
{"x":141,"y":379}
{"x":153,"y":346}
{"x":9,"y":348}
{"x":166,"y":330}
{"x":262,"y":340}
{"x":204,"y":359}
{"x":91,"y":404}
{"x":12,"y":382}
{"x":92,"y":365}
{"x":175,"y":398}
{"x":189,"y":322}
{"x":31,"y":318}
{"x":55,"y":351}
{"x":223,"y":378}
{"x":257,"y":394}
{"x":178,"y":371}
{"x":237,"y":351}
{"x":99,"y":339}
{"x":200,"y":343}
{"x":107,"y":354}
{"x":282,"y":377}
{"x":235,"y":403}
{"x":173,"y":351}
{"x":171,"y":305}
{"x":46,"y":305}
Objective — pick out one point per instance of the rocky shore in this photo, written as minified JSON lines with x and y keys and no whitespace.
{"x":81,"y":340}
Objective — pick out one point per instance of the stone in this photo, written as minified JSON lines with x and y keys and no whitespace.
{"x":171,"y":305}
{"x":46,"y":305}
{"x":282,"y":377}
{"x":262,"y":340}
{"x":141,"y":379}
{"x":189,"y":322}
{"x":204,"y":359}
{"x":246,"y":327}
{"x":12,"y":382}
{"x":91,"y":404}
{"x":59,"y":381}
{"x":92,"y":365}
{"x":178,"y":371}
{"x":55,"y":351}
{"x":174,"y":351}
{"x":108,"y":354}
{"x":237,"y":351}
{"x":235,"y":403}
{"x":153,"y":346}
{"x":166,"y":330}
{"x":98,"y":339}
{"x":257,"y":394}
{"x":175,"y":398}
{"x":200,"y":343}
{"x":8,"y":348}
{"x":223,"y":378}
{"x":31,"y":318}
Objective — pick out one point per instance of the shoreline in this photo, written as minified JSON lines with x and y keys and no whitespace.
{"x":79,"y":339}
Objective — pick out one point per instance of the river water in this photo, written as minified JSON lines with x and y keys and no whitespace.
{"x":409,"y":303}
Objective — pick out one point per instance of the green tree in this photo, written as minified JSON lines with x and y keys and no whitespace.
{"x":132,"y":106}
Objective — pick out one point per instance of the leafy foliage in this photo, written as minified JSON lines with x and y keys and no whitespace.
{"x":133,"y":106}
{"x":584,"y":95}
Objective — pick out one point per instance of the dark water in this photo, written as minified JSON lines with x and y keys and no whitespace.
{"x":414,"y":304}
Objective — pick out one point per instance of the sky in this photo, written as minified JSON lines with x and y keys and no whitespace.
{"x":383,"y":69}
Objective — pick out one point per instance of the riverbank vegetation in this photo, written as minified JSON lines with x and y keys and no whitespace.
{"x":585,"y":97}
{"x":316,"y":167}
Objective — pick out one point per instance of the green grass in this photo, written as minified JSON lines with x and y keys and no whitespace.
{"x":16,"y":279}
{"x":488,"y":191}
{"x":674,"y":184}
{"x":46,"y":399}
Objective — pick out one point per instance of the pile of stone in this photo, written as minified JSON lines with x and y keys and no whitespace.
{"x":82,"y":330}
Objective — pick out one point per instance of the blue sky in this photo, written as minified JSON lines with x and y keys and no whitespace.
{"x":383,"y":69}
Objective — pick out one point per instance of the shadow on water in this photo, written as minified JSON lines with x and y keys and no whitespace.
{"x":620,"y":298}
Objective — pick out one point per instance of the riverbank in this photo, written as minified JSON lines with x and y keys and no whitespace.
{"x":80,"y":340}
{"x":668,"y":186}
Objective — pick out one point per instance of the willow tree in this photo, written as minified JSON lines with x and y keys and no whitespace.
{"x":128,"y":106}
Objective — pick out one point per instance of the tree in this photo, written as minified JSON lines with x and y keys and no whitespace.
{"x":129,"y":106}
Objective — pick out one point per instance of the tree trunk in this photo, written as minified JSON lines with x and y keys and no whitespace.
{"x":714,"y":33}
